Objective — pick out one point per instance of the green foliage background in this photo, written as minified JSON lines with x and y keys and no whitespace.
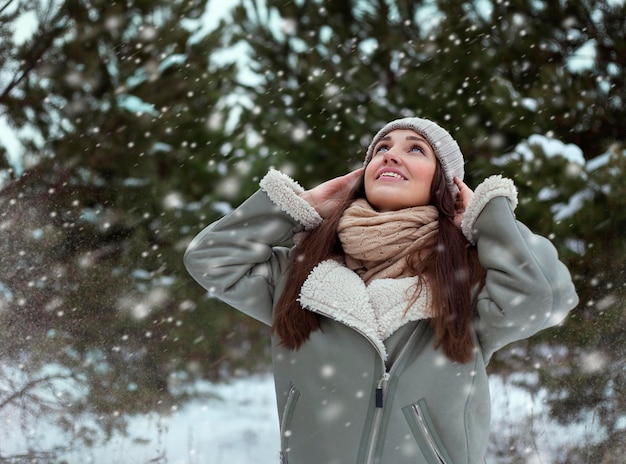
{"x":139,"y":127}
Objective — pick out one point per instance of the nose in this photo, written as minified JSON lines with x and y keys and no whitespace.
{"x":390,"y":157}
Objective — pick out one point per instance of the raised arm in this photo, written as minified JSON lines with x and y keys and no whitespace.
{"x":240,"y":258}
{"x":527,"y":287}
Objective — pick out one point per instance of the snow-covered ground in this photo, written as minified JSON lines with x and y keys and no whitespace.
{"x":239,"y":424}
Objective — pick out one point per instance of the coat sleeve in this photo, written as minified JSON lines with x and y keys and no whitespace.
{"x":527,"y":287}
{"x":240,"y":258}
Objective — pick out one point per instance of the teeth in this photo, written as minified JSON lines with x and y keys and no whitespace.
{"x":391,"y":174}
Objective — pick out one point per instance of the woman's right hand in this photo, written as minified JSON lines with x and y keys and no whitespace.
{"x":326,"y":196}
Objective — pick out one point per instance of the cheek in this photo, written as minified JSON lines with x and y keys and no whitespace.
{"x":368,"y":179}
{"x":368,"y":174}
{"x":426,"y":171}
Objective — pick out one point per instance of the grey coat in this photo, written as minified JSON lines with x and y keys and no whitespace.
{"x":369,"y":386}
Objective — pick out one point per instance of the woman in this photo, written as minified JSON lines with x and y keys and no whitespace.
{"x":401,"y":285}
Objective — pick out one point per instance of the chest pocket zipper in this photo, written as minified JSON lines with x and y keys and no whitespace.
{"x":285,"y":423}
{"x":419,"y":421}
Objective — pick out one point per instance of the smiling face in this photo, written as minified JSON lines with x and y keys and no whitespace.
{"x":401,"y":171}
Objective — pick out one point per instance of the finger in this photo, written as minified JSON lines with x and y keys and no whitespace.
{"x":355,"y":174}
{"x":352,"y":177}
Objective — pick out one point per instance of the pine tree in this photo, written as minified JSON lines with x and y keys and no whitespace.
{"x":132,"y":146}
{"x":120,"y":107}
{"x":495,"y":74}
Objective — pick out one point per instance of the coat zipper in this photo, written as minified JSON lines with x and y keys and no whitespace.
{"x":378,"y":415}
{"x":421,"y":422}
{"x":285,"y":421}
{"x":380,"y":390}
{"x":380,"y":394}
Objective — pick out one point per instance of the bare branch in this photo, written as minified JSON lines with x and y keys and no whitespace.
{"x":29,"y":386}
{"x":5,"y":6}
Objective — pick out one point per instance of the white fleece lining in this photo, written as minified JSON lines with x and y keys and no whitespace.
{"x":491,"y":187}
{"x":376,"y":310}
{"x":285,"y":193}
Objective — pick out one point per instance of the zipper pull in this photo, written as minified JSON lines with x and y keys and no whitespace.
{"x":379,"y":397}
{"x":379,"y":390}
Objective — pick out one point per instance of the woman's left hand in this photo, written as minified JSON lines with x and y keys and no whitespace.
{"x":462,"y":200}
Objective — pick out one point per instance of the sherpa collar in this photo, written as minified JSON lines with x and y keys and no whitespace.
{"x":376,"y":310}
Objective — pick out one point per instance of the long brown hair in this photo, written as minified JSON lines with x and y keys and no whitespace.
{"x":451,"y":272}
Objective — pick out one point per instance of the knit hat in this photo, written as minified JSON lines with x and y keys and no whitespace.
{"x":445,"y":147}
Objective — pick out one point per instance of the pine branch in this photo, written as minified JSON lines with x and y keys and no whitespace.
{"x":41,"y":45}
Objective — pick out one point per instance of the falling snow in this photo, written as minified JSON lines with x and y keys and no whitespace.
{"x":239,"y":423}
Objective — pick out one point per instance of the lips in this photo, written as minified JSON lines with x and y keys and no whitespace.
{"x":390,"y":174}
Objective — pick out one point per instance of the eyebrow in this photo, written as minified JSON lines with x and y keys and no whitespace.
{"x":409,"y":137}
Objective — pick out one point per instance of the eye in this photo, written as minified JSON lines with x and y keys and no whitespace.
{"x":381,"y":148}
{"x":417,"y":149}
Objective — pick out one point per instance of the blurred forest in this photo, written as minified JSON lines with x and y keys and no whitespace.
{"x":128,"y":126}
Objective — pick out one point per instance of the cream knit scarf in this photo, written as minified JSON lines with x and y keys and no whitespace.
{"x":376,"y":244}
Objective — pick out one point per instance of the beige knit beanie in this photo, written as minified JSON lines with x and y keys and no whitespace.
{"x":445,"y":147}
